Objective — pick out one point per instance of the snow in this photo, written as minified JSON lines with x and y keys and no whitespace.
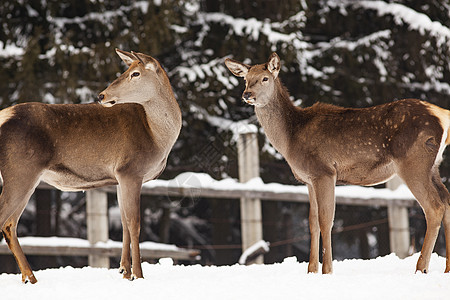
{"x":10,"y":50}
{"x":405,"y":15}
{"x":252,"y":249}
{"x":81,"y":243}
{"x":203,"y":180}
{"x":253,"y":28}
{"x":374,"y":40}
{"x":214,"y":68}
{"x":382,"y":278}
{"x":85,"y":94}
{"x":236,"y":127}
{"x":104,"y":16}
{"x":243,"y":128}
{"x":440,"y":87}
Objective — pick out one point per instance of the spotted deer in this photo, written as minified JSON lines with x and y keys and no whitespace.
{"x":124,"y":140}
{"x":327,"y":145}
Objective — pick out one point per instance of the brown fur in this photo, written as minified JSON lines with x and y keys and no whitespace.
{"x":327,"y":145}
{"x":81,"y":146}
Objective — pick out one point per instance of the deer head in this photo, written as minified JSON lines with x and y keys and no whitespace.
{"x":260,"y":80}
{"x":138,"y":84}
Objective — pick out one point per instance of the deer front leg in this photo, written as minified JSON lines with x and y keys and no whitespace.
{"x":125,"y":259}
{"x":313,"y":266}
{"x":324,"y":190}
{"x":130,"y":198}
{"x":13,"y":200}
{"x":9,"y":232}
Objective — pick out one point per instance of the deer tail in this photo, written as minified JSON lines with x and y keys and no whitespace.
{"x":6,"y":114}
{"x":447,"y":142}
{"x":444,"y":118}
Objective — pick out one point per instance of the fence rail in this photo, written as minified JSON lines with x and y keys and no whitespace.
{"x":79,"y":247}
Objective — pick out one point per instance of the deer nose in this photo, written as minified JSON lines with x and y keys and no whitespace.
{"x":246,"y":95}
{"x":101,"y":97}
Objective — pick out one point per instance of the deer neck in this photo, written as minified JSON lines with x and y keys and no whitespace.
{"x":277,"y":118}
{"x":164,"y":119}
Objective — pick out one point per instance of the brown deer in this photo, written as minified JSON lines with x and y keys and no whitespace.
{"x":74,"y":147}
{"x":327,"y":145}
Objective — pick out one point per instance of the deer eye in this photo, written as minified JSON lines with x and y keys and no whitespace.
{"x":135,"y":74}
{"x":265,"y":79}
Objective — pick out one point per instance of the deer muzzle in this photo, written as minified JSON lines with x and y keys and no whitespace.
{"x":103,"y":101}
{"x":248,"y":98}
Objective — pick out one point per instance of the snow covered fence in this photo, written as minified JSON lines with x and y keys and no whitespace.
{"x":62,"y":246}
{"x":254,"y":251}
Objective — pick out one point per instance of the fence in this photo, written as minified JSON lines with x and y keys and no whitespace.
{"x":251,"y":217}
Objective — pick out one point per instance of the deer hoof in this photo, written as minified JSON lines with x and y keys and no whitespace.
{"x":422,"y":265}
{"x":421,"y":268}
{"x":313,"y":268}
{"x":29,"y":278}
{"x":134,"y":276}
{"x":125,"y":273}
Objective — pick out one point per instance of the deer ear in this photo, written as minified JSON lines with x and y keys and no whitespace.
{"x":148,"y":61}
{"x":237,"y":68}
{"x":274,"y":64}
{"x":127,"y":57}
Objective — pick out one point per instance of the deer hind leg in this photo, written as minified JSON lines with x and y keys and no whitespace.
{"x":12,"y":205}
{"x":447,"y":238}
{"x":445,"y":198}
{"x":429,"y":191}
{"x":324,"y":191}
{"x":10,"y":235}
{"x":313,"y":266}
{"x":130,"y":211}
{"x":125,"y":259}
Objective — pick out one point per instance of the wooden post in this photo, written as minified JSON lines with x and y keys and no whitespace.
{"x":97,"y":224}
{"x":164,"y":224}
{"x":43,"y":212}
{"x":399,"y":235}
{"x":251,"y":218}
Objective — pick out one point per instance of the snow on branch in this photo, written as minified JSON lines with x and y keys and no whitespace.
{"x":224,"y":124}
{"x":405,"y":15}
{"x":374,"y":40}
{"x":352,"y":45}
{"x":7,"y":50}
{"x":437,"y":86}
{"x":103,"y":17}
{"x":213,"y":68}
{"x":255,"y":28}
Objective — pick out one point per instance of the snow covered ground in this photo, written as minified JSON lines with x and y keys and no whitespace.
{"x":382,"y":278}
